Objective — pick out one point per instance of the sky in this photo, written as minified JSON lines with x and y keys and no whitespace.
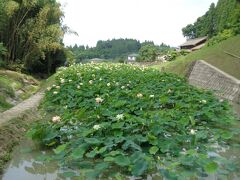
{"x":153,"y":20}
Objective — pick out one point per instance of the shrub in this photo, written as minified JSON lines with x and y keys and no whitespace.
{"x":112,"y":118}
{"x":221,"y":37}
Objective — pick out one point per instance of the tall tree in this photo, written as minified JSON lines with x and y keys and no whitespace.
{"x":225,"y":15}
{"x":148,"y":53}
{"x":31,"y":31}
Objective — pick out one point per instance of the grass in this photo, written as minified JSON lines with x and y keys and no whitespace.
{"x":15,"y":87}
{"x":214,"y":55}
{"x":46,"y":83}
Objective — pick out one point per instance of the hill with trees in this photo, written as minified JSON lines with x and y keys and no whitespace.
{"x":223,"y":16}
{"x":109,"y":49}
{"x":115,"y":49}
{"x":221,"y":23}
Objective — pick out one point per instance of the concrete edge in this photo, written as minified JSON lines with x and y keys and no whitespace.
{"x":237,"y":81}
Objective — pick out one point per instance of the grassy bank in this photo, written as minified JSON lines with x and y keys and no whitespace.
{"x":12,"y":132}
{"x":215,"y":55}
{"x":15,"y":87}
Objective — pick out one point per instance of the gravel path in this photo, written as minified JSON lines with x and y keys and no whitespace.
{"x":19,"y":109}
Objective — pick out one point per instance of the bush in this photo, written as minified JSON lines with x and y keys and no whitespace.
{"x":221,"y":37}
{"x":121,"y":60}
{"x":112,"y":119}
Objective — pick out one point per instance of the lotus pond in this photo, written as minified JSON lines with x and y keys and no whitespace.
{"x":118,"y":121}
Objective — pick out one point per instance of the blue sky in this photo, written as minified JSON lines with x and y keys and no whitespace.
{"x":155,"y":20}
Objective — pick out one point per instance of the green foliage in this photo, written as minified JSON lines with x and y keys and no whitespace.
{"x":225,"y":15}
{"x":32,"y":33}
{"x":221,"y":37}
{"x":70,"y":57}
{"x":172,"y":55}
{"x":3,"y":53}
{"x":113,"y":49}
{"x":110,"y":49}
{"x":10,"y":83}
{"x":148,"y":53}
{"x":115,"y":118}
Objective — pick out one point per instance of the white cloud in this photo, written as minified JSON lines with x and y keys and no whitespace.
{"x":156,"y":20}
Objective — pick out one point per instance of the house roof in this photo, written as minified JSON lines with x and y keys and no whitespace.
{"x":194,"y":42}
{"x":198,"y":47}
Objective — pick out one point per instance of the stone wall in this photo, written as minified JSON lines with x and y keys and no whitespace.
{"x":206,"y":76}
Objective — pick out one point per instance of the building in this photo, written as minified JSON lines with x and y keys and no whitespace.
{"x":132,"y":57}
{"x":194,"y":44}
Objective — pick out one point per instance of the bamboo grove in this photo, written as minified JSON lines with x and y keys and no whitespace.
{"x":31,"y":34}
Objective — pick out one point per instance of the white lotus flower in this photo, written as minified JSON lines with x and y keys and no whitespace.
{"x":99,"y":100}
{"x":78,"y":86}
{"x":96,"y":127}
{"x":56,"y":119}
{"x":58,"y":87}
{"x":192,"y":131}
{"x":151,"y":96}
{"x":119,"y":116}
{"x":139,"y":95}
{"x":91,"y":82}
{"x":122,"y":87}
{"x":203,"y":101}
{"x":55,"y":92}
{"x":62,"y":81}
{"x":108,"y":84}
{"x":69,"y":80}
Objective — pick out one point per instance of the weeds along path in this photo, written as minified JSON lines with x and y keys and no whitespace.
{"x":19,"y":109}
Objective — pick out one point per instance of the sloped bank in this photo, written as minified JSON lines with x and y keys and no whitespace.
{"x":12,"y":132}
{"x":16,"y":121}
{"x":15,"y":87}
{"x":204,"y":75}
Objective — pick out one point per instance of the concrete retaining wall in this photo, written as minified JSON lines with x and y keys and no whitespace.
{"x":206,"y":76}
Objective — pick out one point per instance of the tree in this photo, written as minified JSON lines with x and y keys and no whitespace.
{"x":31,"y":31}
{"x":225,"y":15}
{"x":110,"y":49}
{"x":3,"y":52}
{"x":148,"y":53}
{"x":189,"y":31}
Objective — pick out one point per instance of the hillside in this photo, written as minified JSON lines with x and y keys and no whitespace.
{"x":14,"y":88}
{"x":214,"y":55}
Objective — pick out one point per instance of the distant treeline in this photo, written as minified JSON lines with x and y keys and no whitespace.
{"x":224,"y":16}
{"x":112,"y":49}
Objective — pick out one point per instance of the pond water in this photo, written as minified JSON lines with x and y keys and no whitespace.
{"x":25,"y":164}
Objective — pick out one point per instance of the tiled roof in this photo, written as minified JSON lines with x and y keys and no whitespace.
{"x":193,"y":42}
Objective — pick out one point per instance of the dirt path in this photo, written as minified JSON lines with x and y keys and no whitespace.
{"x":19,"y":109}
